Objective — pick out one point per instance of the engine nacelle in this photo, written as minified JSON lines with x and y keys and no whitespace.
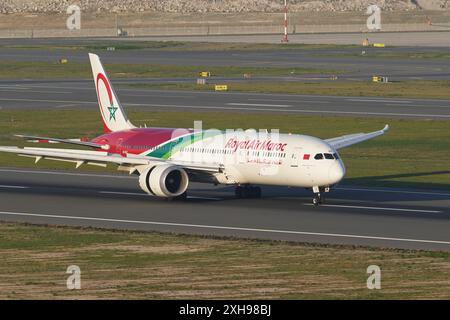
{"x":164,"y":180}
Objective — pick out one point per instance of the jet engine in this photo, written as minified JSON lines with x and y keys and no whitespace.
{"x":164,"y":180}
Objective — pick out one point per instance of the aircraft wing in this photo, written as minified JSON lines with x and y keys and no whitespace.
{"x":99,"y":158}
{"x":351,"y":139}
{"x":58,"y":140}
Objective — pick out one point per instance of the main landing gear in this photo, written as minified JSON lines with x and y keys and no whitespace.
{"x":245,"y":192}
{"x":318,"y":195}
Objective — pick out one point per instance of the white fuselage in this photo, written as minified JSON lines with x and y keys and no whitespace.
{"x":289,"y":160}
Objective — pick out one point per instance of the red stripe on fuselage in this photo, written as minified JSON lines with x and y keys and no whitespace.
{"x":138,"y":140}
{"x":102,"y":77}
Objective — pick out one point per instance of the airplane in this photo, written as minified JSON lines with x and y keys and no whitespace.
{"x":168,"y":159}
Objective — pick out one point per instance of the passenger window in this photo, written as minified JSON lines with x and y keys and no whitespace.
{"x":329,"y":156}
{"x":318,"y":156}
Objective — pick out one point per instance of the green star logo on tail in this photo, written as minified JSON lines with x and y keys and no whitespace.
{"x":112,"y":112}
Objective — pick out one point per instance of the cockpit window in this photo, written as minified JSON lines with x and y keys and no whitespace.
{"x":328,"y":156}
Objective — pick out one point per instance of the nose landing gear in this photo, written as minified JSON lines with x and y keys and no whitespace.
{"x":318,"y":195}
{"x":318,"y":199}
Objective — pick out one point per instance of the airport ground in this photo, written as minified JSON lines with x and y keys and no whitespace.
{"x":401,"y":203}
{"x":135,"y":265}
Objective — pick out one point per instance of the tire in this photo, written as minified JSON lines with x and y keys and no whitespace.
{"x":315,"y":201}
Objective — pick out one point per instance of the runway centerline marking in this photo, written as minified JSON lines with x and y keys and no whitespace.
{"x":418,"y":106}
{"x":21,"y":90}
{"x":204,"y":198}
{"x":70,"y":174}
{"x":375,"y":208}
{"x":299,"y":110}
{"x":13,"y":187}
{"x":133,"y":177}
{"x":125,"y":193}
{"x":285,"y":100}
{"x":259,"y":105}
{"x":241,"y":108}
{"x":394,"y":191}
{"x":380,"y":100}
{"x":147,"y":195}
{"x":201,"y":226}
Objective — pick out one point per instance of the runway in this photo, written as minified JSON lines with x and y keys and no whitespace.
{"x":415,"y":39}
{"x":347,"y":60}
{"x":395,"y":218}
{"x":81,"y":94}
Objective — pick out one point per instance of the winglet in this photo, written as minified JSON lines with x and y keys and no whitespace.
{"x":386,"y":128}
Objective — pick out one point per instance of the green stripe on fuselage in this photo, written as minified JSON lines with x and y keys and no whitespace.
{"x":169,"y":148}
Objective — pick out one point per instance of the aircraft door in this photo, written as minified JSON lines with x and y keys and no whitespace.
{"x":295,"y":157}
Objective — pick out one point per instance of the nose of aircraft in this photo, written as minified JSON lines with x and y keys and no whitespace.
{"x":336,"y":172}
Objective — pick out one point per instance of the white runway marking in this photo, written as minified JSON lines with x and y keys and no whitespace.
{"x":200,"y":226}
{"x":415,"y":115}
{"x":285,"y":100}
{"x":32,"y":91}
{"x":380,"y":100}
{"x":65,"y":106}
{"x":374,"y":208}
{"x":146,"y":195}
{"x":125,"y":193}
{"x":133,"y":177}
{"x":12,"y":87}
{"x":418,"y":106}
{"x":300,"y":111}
{"x":204,"y":198}
{"x":47,"y":100}
{"x":70,"y":174}
{"x":394,"y":191}
{"x":13,"y":187}
{"x":259,"y":105}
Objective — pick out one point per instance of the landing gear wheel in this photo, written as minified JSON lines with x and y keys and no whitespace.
{"x":318,"y":199}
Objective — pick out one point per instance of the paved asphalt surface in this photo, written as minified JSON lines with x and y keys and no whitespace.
{"x":81,"y":94}
{"x":345,"y":60}
{"x":357,"y":216}
{"x":362,"y":216}
{"x":411,"y":39}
